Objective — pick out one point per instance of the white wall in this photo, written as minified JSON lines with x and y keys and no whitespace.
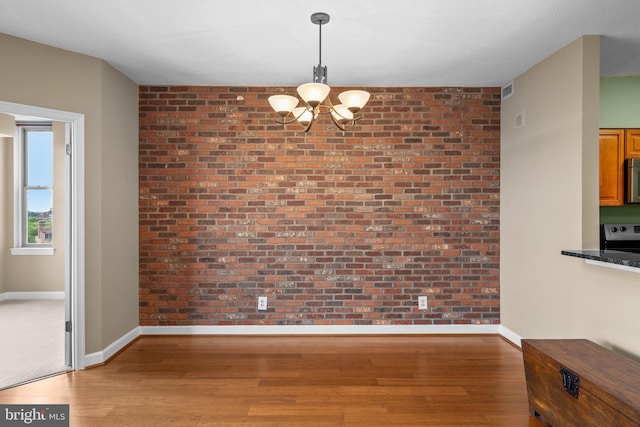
{"x":549,"y":202}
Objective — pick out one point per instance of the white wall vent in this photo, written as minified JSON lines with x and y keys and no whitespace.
{"x":507,"y":90}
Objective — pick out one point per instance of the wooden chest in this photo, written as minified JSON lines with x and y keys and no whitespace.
{"x":575,"y":382}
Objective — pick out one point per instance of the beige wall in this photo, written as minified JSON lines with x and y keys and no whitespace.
{"x":39,"y":273}
{"x":119,"y":169}
{"x":549,"y":202}
{"x":47,"y":77}
{"x":6,"y":194}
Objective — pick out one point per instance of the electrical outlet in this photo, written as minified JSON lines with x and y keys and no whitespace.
{"x":422,"y":302}
{"x":262,"y":303}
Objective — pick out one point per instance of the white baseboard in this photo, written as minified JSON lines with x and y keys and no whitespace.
{"x":510,"y":335}
{"x":319,"y":329}
{"x":31,"y":295}
{"x":104,"y":355}
{"x":101,"y":356}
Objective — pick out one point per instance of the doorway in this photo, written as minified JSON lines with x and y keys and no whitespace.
{"x":73,"y":294}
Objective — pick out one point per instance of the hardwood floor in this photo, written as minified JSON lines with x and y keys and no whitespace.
{"x":296,"y":381}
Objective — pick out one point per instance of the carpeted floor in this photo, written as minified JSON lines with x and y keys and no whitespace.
{"x":31,"y":340}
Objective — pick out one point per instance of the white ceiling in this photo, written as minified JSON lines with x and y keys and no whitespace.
{"x":366,"y":43}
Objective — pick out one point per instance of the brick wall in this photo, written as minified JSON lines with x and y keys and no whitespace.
{"x":335,"y":228}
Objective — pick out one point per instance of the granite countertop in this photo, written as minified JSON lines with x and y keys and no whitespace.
{"x":628,"y":259}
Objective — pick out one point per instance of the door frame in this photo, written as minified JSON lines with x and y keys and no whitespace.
{"x":74,"y":218}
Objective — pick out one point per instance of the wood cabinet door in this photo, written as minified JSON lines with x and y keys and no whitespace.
{"x":612,"y":152}
{"x":632,"y":143}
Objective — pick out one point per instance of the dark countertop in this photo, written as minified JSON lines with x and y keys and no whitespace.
{"x":628,"y":259}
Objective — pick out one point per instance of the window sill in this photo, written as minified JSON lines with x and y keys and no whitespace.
{"x":32,"y":251}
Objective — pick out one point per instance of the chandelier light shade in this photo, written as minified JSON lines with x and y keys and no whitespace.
{"x":315,"y":96}
{"x":341,"y":114}
{"x":354,"y":100}
{"x":313,"y":93}
{"x":303,"y":115}
{"x":283,"y":104}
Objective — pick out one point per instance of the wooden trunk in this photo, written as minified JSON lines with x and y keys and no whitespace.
{"x":575,"y":382}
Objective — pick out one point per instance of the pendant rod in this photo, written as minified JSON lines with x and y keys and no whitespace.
{"x":320,"y":18}
{"x":320,"y":44}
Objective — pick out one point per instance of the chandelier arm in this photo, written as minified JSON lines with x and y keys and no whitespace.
{"x":333,"y":110}
{"x":329,"y":106}
{"x":306,"y":129}
{"x":315,"y":112}
{"x":286,"y":122}
{"x":307,"y":108}
{"x":295,"y":118}
{"x":324,"y":109}
{"x":313,"y":92}
{"x":335,"y":122}
{"x":328,"y":102}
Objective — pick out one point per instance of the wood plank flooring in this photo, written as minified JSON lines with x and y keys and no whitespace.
{"x":296,"y":381}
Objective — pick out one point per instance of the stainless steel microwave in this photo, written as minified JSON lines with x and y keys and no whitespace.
{"x":633,"y":180}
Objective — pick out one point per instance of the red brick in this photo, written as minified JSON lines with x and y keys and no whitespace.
{"x":336,"y":228}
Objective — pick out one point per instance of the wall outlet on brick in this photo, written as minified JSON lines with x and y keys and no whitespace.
{"x":422,"y":302}
{"x":264,"y":214}
{"x":262,"y":303}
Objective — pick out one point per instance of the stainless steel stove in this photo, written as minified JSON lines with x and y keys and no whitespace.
{"x":620,"y":237}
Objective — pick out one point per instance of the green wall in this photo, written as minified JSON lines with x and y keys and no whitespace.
{"x":620,"y":108}
{"x":620,"y":214}
{"x":620,"y":102}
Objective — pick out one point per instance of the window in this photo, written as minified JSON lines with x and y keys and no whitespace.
{"x":33,"y":160}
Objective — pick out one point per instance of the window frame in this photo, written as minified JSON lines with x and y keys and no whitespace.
{"x":21,"y":245}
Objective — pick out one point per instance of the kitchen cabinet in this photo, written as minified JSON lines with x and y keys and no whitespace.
{"x":632,"y":143}
{"x":612,"y":154}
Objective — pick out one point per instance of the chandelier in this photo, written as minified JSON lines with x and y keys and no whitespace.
{"x":315,"y":96}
